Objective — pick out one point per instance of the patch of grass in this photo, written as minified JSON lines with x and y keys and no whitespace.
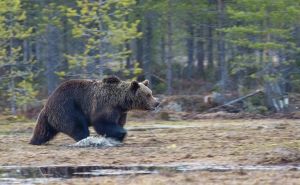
{"x":11,"y":119}
{"x":7,"y":127}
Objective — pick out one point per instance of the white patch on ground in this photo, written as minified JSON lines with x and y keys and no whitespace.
{"x":97,"y":141}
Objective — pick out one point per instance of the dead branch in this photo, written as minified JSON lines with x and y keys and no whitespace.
{"x":234,"y":101}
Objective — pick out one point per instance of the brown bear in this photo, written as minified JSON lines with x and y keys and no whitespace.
{"x":77,"y":104}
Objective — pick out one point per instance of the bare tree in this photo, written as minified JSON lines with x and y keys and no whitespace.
{"x":190,"y":48}
{"x":148,"y":55}
{"x":169,"y":75}
{"x":223,"y":66}
{"x":200,"y":52}
{"x":52,"y":59}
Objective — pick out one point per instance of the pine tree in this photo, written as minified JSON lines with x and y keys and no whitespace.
{"x":262,"y":36}
{"x":16,"y":72}
{"x":104,"y":30}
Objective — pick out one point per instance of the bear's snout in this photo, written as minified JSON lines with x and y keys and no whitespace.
{"x":156,"y":104}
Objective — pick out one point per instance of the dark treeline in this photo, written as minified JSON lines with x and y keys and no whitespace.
{"x":182,"y":47}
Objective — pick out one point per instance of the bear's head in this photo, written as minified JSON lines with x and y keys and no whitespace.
{"x":140,"y":96}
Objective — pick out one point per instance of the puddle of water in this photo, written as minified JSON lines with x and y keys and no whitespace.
{"x":151,"y":127}
{"x":223,"y":168}
{"x":8,"y":181}
{"x":23,"y":175}
{"x":15,"y":172}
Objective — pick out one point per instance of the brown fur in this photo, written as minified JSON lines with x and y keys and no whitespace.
{"x":77,"y":104}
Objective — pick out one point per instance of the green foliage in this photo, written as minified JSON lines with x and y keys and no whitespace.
{"x":130,"y":38}
{"x":136,"y":71}
{"x":264,"y":29}
{"x":295,"y":82}
{"x":16,"y":78}
{"x":26,"y":93}
{"x":160,"y":88}
{"x":104,"y":28}
{"x":255,"y":105}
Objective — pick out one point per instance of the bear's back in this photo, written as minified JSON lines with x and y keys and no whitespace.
{"x":71,"y":89}
{"x":73,"y":86}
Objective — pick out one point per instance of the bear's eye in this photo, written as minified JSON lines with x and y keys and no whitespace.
{"x":148,"y":95}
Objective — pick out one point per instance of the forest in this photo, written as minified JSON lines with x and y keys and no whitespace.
{"x":217,"y":101}
{"x":183,"y":47}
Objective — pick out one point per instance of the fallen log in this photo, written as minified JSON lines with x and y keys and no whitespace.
{"x":234,"y":101}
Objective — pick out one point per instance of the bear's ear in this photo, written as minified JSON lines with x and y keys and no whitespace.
{"x":146,"y":82}
{"x":134,"y":86}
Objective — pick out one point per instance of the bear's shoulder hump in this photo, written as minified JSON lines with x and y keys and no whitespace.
{"x":111,"y":80}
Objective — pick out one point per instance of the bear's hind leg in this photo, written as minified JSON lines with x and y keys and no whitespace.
{"x":43,"y":132}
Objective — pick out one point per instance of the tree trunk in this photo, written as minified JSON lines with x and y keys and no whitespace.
{"x":12,"y":88}
{"x":200,"y":53}
{"x":37,"y":49}
{"x":101,"y":61}
{"x":52,"y":57}
{"x":163,"y":48}
{"x":190,"y":49}
{"x":13,"y":101}
{"x":25,"y":50}
{"x":129,"y":64}
{"x":297,"y":38}
{"x":210,"y":44}
{"x":148,"y":55}
{"x":128,"y":57}
{"x":139,"y":41}
{"x":65,"y":45}
{"x":210,"y":48}
{"x":223,"y":66}
{"x":169,"y":75}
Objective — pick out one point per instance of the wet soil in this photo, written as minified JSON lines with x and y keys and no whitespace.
{"x":207,"y":142}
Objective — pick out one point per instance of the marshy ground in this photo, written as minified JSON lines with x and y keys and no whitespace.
{"x":202,"y":142}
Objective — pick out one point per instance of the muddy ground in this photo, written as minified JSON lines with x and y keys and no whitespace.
{"x":212,"y":141}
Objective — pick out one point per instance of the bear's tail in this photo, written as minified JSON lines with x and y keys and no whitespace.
{"x":43,"y":131}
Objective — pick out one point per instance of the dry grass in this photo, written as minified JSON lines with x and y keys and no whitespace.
{"x":209,"y":142}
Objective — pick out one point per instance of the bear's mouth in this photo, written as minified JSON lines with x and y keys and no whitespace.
{"x":152,"y":108}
